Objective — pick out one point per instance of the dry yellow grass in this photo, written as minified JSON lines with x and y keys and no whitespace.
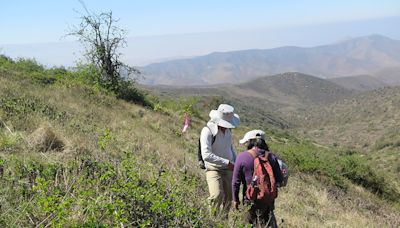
{"x":305,"y":202}
{"x":44,"y":139}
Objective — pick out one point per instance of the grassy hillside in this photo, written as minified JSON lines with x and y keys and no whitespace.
{"x":359,"y":82}
{"x":389,"y":75}
{"x":115,"y":166}
{"x":368,"y":123}
{"x":293,"y":89}
{"x":72,"y":154}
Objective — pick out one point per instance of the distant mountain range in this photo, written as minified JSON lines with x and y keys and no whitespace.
{"x":266,"y":98}
{"x":374,"y":55}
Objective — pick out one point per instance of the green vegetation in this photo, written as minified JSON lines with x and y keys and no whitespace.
{"x":103,"y":39}
{"x":368,"y":123}
{"x":339,"y":166}
{"x":74,"y":154}
{"x":89,"y":192}
{"x":97,"y":178}
{"x":87,"y":76}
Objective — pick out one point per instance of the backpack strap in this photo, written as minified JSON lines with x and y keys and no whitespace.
{"x":199,"y":156}
{"x":213,"y":136}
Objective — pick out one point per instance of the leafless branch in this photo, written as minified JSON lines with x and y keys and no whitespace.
{"x":102,"y":39}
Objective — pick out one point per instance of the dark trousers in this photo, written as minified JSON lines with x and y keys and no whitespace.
{"x":262,"y":216}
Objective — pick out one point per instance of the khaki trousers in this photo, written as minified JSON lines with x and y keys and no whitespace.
{"x":220,"y":188}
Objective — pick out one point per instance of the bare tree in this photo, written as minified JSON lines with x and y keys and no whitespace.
{"x":102,"y":39}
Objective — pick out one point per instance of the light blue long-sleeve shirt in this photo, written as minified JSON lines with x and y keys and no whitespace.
{"x":216,"y":155}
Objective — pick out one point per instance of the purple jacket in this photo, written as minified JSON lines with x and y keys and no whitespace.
{"x":243,"y":172}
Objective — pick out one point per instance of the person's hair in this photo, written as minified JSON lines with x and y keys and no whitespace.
{"x":258,"y":142}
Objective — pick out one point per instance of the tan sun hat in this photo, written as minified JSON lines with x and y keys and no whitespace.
{"x":252,"y":135}
{"x":224,"y":116}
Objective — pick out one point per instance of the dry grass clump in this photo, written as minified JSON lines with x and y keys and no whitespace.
{"x":44,"y":139}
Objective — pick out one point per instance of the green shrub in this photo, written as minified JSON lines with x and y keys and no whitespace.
{"x":90,"y":191}
{"x":8,"y":140}
{"x":6,"y":62}
{"x":104,"y":139}
{"x":336,"y":165}
{"x":21,"y":106}
{"x":355,"y":168}
{"x":28,"y":65}
{"x":189,"y":105}
{"x":128,"y":91}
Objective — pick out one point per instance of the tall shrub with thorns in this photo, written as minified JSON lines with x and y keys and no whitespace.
{"x":102,"y":39}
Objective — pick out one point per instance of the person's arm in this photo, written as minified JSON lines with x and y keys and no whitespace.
{"x":273,"y":160}
{"x":236,"y":180}
{"x":206,"y":149}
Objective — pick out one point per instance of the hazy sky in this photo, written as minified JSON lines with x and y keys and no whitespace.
{"x":200,"y":22}
{"x":32,"y":21}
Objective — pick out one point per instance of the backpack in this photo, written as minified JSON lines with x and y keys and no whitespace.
{"x":285,"y":173}
{"x":199,"y":157}
{"x":263,"y":188}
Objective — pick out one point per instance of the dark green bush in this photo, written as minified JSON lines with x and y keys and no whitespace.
{"x":337,"y":165}
{"x":5,"y":61}
{"x":355,"y":168}
{"x":128,"y":91}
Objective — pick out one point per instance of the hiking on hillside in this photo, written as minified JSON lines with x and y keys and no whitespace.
{"x":219,"y":156}
{"x":259,"y":171}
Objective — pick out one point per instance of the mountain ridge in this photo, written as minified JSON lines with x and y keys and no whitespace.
{"x":273,"y":95}
{"x":360,"y":82}
{"x":357,"y":56}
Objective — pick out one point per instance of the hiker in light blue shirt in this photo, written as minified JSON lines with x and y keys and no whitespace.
{"x":219,"y":156}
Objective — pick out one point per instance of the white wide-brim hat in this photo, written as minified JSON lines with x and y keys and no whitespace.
{"x":224,"y":116}
{"x":252,"y":135}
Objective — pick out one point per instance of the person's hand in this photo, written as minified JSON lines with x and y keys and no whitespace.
{"x":231,"y":166}
{"x":235,"y":205}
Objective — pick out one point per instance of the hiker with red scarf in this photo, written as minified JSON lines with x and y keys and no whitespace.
{"x":261,"y":211}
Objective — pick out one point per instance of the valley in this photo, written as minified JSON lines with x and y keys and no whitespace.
{"x":362,"y":122}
